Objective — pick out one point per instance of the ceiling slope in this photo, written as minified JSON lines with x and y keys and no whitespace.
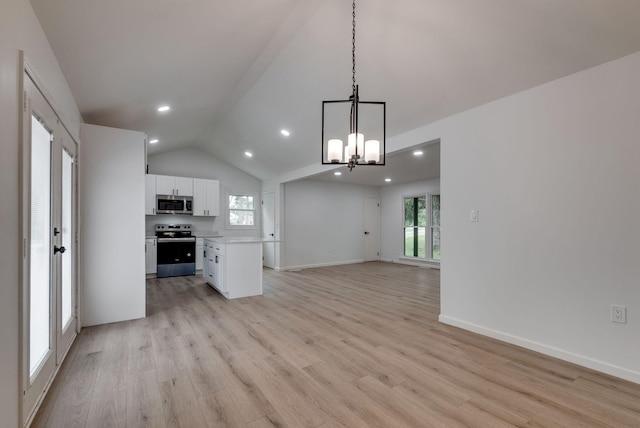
{"x":237,"y":71}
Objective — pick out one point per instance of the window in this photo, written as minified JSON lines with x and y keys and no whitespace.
{"x":242,"y":211}
{"x":435,"y":226}
{"x":422,"y":227}
{"x":415,"y":226}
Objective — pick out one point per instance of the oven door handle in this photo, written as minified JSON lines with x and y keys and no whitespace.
{"x":163,"y":240}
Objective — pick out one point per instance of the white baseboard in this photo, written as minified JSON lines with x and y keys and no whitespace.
{"x":299,"y":267}
{"x":409,"y":262}
{"x":562,"y":354}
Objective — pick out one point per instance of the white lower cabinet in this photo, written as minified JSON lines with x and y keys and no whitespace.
{"x":151,"y":255}
{"x":234,"y":267}
{"x":199,"y":253}
{"x":207,"y":264}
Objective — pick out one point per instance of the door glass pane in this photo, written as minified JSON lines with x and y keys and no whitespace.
{"x":435,"y":243}
{"x":40,"y":266}
{"x":435,"y":227}
{"x":435,"y":210}
{"x":67,"y":239}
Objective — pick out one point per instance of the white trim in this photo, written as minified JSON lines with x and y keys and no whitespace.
{"x":601,"y":366}
{"x":299,"y":267}
{"x":257,"y":209}
{"x":431,"y":264}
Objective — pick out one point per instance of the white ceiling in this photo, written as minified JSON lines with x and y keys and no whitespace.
{"x":237,"y":71}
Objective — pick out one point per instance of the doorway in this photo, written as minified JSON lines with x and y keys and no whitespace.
{"x":49,"y":273}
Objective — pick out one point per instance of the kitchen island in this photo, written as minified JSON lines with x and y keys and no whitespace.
{"x":233,"y":266}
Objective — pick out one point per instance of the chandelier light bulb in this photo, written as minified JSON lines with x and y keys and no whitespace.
{"x":356,"y":141}
{"x":372,"y":151}
{"x":335,"y":150}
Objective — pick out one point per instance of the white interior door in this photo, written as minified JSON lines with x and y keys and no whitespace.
{"x":48,"y":321}
{"x":371,"y":229}
{"x":66,"y":320}
{"x":268,"y":230}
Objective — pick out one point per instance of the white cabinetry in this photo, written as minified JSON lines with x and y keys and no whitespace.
{"x":199,"y":253}
{"x":206,"y":197}
{"x":209,"y":260}
{"x":150,"y":194}
{"x":170,"y":185}
{"x":234,"y":266}
{"x":151,"y":255}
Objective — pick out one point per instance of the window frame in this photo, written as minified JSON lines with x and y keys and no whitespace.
{"x":255,"y":210}
{"x":429,"y":227}
{"x":414,"y":227}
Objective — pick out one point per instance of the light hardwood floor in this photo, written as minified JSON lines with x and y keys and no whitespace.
{"x":348,"y":346}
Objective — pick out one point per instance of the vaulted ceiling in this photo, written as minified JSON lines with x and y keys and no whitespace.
{"x":236,"y":72}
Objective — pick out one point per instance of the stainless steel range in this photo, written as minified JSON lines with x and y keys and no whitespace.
{"x":176,"y":250}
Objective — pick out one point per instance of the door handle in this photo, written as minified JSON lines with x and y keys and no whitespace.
{"x":58,"y":250}
{"x":271,"y":234}
{"x":56,"y":232}
{"x":366,"y":233}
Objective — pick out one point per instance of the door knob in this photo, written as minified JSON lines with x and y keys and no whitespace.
{"x":271,"y":234}
{"x":58,"y":250}
{"x":56,"y":232}
{"x":366,"y":233}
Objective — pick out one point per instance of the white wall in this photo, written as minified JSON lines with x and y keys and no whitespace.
{"x":324,"y":223}
{"x":392,"y":215}
{"x":112,"y":231}
{"x":199,"y":164}
{"x":554,"y":174}
{"x":19,"y":30}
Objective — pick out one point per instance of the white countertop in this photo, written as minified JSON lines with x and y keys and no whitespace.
{"x":237,"y":240}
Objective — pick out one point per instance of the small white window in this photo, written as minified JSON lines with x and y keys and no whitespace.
{"x":242,"y":212}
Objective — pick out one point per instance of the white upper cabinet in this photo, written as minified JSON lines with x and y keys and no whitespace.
{"x":170,"y":185}
{"x":150,"y":195}
{"x":206,"y":197}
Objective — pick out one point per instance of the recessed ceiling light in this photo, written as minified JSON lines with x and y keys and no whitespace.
{"x":155,"y":140}
{"x":164,"y":108}
{"x":418,"y":153}
{"x":285,"y":132}
{"x":387,"y":180}
{"x":337,"y":173}
{"x":248,"y":154}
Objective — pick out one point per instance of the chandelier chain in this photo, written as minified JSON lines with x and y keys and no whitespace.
{"x":353,"y":48}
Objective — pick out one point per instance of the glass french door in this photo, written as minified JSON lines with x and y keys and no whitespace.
{"x":49,"y":223}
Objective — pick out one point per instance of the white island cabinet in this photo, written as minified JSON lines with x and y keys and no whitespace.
{"x":233,"y":266}
{"x":151,"y":255}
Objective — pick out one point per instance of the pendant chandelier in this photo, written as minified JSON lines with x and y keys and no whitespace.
{"x":353,"y":119}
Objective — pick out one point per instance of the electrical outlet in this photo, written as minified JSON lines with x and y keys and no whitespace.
{"x":619,"y":314}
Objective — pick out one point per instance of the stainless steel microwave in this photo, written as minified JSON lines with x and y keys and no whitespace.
{"x":172,"y":204}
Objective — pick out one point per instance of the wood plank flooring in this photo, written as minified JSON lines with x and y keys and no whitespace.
{"x":347,"y":346}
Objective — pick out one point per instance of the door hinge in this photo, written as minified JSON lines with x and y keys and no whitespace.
{"x":24,"y":248}
{"x":24,"y":101}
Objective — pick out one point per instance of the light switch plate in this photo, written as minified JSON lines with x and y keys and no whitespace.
{"x":474,"y":215}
